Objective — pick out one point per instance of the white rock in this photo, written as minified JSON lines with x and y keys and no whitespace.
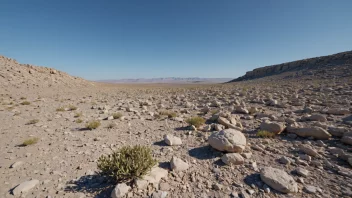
{"x":25,"y":187}
{"x":229,"y":140}
{"x":273,"y":127}
{"x":120,"y":190}
{"x":316,"y":132}
{"x":232,"y":158}
{"x":178,"y":165}
{"x":279,"y":180}
{"x":153,"y":177}
{"x":172,"y":140}
{"x":16,"y":164}
{"x":302,"y":172}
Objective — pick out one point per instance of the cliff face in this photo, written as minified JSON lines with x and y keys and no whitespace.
{"x":305,"y":64}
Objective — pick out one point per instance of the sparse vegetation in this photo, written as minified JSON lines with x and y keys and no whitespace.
{"x":196,"y":121}
{"x":77,"y":115}
{"x":93,"y":124}
{"x":127,"y":163}
{"x":60,"y":109}
{"x":72,"y":107}
{"x":30,"y":141}
{"x":214,"y":111}
{"x":34,"y":121}
{"x":169,"y":114}
{"x":79,"y":121}
{"x":23,"y":98}
{"x":117,"y":115}
{"x":25,"y":103}
{"x":265,"y":134}
{"x":111,"y":125}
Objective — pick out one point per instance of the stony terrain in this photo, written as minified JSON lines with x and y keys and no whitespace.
{"x":309,"y":155}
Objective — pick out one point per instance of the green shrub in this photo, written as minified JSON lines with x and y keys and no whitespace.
{"x":117,"y":115}
{"x":30,"y":141}
{"x":127,"y":163}
{"x":265,"y":134}
{"x":34,"y":121}
{"x":79,"y":121}
{"x":25,"y":103}
{"x":93,"y":124}
{"x":60,"y":109}
{"x":196,"y":121}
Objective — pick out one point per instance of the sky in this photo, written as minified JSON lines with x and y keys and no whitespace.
{"x":112,"y":39}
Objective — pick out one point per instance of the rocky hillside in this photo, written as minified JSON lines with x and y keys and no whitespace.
{"x":305,"y":66}
{"x":14,"y":74}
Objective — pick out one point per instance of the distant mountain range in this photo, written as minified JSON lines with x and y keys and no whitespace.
{"x":173,"y":80}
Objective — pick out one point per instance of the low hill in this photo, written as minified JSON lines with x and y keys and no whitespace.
{"x":16,"y":75}
{"x":305,"y":66}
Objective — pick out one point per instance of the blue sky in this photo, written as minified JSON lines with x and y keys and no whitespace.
{"x":171,"y":38}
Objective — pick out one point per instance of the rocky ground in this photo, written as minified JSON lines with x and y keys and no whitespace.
{"x":309,"y":156}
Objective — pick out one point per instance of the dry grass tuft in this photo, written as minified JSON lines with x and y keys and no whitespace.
{"x":196,"y":121}
{"x":93,"y":124}
{"x":265,"y":134}
{"x":30,"y":141}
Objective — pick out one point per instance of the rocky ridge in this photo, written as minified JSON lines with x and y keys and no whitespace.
{"x":305,"y":66}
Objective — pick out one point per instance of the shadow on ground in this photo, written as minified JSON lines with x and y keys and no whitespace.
{"x":204,"y":152}
{"x":95,"y":185}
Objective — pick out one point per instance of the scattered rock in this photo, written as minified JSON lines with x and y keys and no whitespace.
{"x":279,"y":180}
{"x":172,"y":140}
{"x":120,"y":190}
{"x":229,"y":140}
{"x":178,"y":165}
{"x":24,"y":187}
{"x":232,"y":158}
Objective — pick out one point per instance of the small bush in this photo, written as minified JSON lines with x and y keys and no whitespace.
{"x":77,"y":115}
{"x":25,"y":103}
{"x":34,"y":121}
{"x":117,"y":115}
{"x":196,"y":121}
{"x":127,"y":163}
{"x":265,"y":134}
{"x":72,"y":108}
{"x":169,"y":114}
{"x":79,"y":121}
{"x":60,"y":109}
{"x":30,"y":141}
{"x":23,"y":98}
{"x":93,"y":124}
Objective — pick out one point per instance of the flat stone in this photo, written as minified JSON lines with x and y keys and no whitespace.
{"x":172,"y":140}
{"x":25,"y":187}
{"x":153,"y":177}
{"x":278,"y":180}
{"x":232,"y":158}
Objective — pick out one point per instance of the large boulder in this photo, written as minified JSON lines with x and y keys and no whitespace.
{"x":229,"y":140}
{"x":278,"y":180}
{"x":273,"y":127}
{"x":316,"y":132}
